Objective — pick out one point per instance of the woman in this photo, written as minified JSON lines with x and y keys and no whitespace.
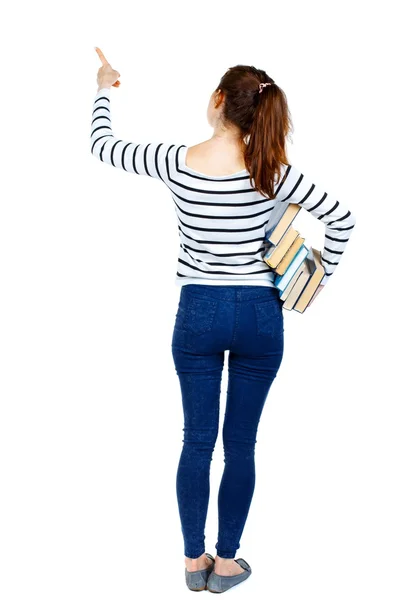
{"x":224,"y":190}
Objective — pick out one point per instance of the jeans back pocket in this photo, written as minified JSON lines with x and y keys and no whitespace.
{"x":196,"y":314}
{"x":269,"y":318}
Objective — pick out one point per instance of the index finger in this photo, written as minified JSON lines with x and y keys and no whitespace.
{"x":101,"y":56}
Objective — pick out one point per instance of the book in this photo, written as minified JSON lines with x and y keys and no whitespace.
{"x":289,"y":255}
{"x":281,"y":218}
{"x":303,"y":284}
{"x":275,"y":254}
{"x":315,"y":275}
{"x":298,"y":286}
{"x":298,"y":267}
{"x":288,"y":289}
{"x":282,"y":281}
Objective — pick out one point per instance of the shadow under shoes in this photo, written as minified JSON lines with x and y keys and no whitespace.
{"x":222,"y":583}
{"x":197,"y":580}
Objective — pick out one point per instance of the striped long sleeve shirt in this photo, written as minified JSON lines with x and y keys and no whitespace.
{"x":221,"y":219}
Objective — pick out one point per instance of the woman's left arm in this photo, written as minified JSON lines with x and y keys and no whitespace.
{"x":338,"y":219}
{"x":141,"y":159}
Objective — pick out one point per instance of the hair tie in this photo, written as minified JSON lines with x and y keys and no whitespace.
{"x":262,"y":85}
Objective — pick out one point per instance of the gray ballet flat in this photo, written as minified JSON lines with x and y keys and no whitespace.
{"x":222,"y":583}
{"x":197,"y":580}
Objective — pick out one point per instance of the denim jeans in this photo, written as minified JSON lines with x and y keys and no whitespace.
{"x":248,"y":321}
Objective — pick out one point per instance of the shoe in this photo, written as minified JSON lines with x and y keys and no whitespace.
{"x":197,"y":580}
{"x":222,"y":583}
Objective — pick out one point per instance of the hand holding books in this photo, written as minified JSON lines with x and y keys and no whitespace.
{"x":298,"y":268}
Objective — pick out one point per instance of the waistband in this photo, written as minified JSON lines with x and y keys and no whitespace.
{"x":231,"y":292}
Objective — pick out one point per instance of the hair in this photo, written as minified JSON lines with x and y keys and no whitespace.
{"x":263,"y":118}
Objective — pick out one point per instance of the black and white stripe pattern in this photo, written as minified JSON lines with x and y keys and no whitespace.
{"x":221,"y":220}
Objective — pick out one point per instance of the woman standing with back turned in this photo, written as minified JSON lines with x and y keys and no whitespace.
{"x":224,"y":190}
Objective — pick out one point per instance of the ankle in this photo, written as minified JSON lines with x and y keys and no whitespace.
{"x":196,"y":560}
{"x":220,"y":560}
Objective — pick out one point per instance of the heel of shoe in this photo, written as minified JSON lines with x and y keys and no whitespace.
{"x":197,"y":580}
{"x":222,"y":583}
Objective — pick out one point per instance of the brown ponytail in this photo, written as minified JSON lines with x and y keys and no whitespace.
{"x":263,"y":118}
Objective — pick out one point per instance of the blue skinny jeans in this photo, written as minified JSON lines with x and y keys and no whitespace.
{"x":248,"y":321}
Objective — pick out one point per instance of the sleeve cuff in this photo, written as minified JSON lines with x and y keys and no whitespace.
{"x":324,"y":279}
{"x":103,"y":91}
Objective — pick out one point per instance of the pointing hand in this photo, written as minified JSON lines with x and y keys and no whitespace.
{"x":106,"y":76}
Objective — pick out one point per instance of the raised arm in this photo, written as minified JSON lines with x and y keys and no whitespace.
{"x":337,"y":218}
{"x":141,"y":159}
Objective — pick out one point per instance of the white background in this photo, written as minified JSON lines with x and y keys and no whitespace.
{"x":91,"y":413}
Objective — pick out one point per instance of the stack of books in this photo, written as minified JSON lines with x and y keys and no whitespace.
{"x":298,"y":267}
